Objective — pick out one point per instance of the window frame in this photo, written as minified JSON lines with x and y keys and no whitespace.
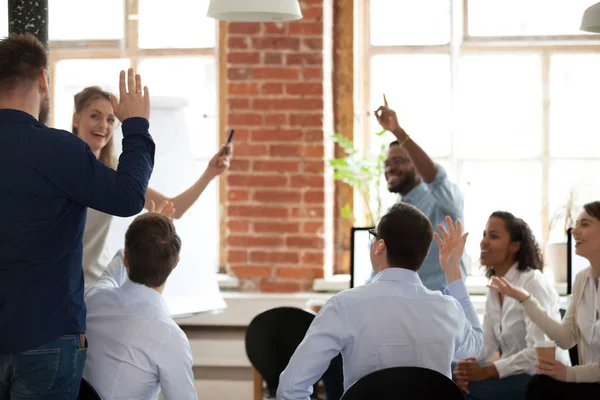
{"x":461,"y":43}
{"x":128,"y":47}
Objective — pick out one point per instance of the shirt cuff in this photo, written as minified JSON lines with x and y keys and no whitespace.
{"x":135,"y":125}
{"x":457,"y":289}
{"x":530,"y":304}
{"x":503,"y":366}
{"x":571,"y":375}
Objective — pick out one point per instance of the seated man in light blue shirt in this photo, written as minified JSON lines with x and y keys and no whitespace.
{"x":395,"y":320}
{"x":136,"y":350}
{"x":413,"y":175}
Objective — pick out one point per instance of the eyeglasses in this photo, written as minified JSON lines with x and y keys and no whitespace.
{"x":373,"y":233}
{"x":396,"y":161}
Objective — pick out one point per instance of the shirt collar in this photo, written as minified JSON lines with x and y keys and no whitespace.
{"x":590,"y":275}
{"x":512,"y":272}
{"x":398,"y":275}
{"x":10,"y":115}
{"x":415,"y":194}
{"x":146,"y":293}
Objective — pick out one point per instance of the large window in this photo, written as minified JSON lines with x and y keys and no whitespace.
{"x":174,"y":51}
{"x":501,"y":93}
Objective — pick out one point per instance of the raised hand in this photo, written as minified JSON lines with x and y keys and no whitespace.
{"x":132,"y":101}
{"x":387,"y":117}
{"x":165,"y":208}
{"x":451,"y":244}
{"x":218,"y":164}
{"x":504,"y":287}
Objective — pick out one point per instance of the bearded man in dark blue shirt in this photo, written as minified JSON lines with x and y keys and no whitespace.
{"x":48,"y":179}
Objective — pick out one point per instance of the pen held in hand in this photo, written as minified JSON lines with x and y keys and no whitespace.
{"x":229,"y":139}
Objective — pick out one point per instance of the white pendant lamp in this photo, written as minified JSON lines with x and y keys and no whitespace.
{"x":254,"y":10}
{"x":591,"y":19}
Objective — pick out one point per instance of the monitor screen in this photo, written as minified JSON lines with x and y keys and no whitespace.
{"x":575,"y":263}
{"x":360,"y":261}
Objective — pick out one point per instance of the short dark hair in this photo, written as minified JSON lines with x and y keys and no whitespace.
{"x":152,"y":248}
{"x":22,"y":58}
{"x":593,"y":209}
{"x":407,"y":234}
{"x":529,"y":254}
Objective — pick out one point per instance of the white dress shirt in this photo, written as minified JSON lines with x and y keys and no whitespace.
{"x":135,"y":349}
{"x":588,"y":320}
{"x":393,"y":321}
{"x":507,"y":328}
{"x":96,"y":252}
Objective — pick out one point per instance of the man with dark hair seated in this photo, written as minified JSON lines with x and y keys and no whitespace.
{"x":135,"y":348}
{"x":395,"y":320}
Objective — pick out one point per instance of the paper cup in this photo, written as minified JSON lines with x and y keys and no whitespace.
{"x":545,"y":349}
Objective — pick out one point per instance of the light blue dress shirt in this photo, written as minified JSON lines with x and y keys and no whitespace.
{"x":136,"y":349}
{"x":393,"y":321}
{"x":436,"y":200}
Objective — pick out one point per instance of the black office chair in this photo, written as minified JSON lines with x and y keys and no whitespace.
{"x":573,"y":354}
{"x":87,"y":392}
{"x":271,"y":339}
{"x":404,"y":383}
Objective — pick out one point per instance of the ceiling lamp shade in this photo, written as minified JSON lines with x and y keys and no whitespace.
{"x":254,"y":10}
{"x":591,"y":19}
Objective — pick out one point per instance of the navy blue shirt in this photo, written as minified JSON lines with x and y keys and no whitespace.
{"x":48,"y":179}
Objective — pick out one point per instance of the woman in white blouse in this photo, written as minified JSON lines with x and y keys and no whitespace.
{"x":508,"y":250}
{"x":580,"y":326}
{"x":94,"y":122}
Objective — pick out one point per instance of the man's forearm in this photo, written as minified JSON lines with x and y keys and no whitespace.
{"x":423,"y":164}
{"x":454,"y":275}
{"x":458,"y":290}
{"x":135,"y":167}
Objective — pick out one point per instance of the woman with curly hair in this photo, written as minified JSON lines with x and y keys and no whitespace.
{"x":509,"y":250}
{"x":581,"y":325}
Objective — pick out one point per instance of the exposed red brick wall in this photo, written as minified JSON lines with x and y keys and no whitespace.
{"x":275,"y":205}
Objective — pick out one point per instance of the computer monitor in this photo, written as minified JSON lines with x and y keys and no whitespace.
{"x":360,"y":261}
{"x":575,"y":263}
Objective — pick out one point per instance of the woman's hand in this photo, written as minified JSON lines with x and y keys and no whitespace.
{"x":452,"y":245}
{"x":502,"y":286}
{"x":218,"y":164}
{"x":553,"y":368}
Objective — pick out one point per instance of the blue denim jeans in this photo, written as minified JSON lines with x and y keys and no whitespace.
{"x":49,"y":372}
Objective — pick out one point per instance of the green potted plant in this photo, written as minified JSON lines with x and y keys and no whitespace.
{"x":562,"y":220}
{"x":364,"y":174}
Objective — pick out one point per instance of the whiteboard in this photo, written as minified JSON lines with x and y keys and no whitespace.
{"x":192,"y":286}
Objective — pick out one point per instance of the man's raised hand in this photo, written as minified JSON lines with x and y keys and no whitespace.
{"x":134,"y":99}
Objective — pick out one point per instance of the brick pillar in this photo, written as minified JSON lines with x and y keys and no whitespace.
{"x":275,"y":204}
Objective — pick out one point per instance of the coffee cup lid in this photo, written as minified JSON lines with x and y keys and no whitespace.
{"x":544,"y":343}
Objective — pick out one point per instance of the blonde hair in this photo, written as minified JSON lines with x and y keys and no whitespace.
{"x":82,"y":100}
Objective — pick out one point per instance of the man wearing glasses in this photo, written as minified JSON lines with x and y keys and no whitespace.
{"x":413,"y":175}
{"x":394,"y":321}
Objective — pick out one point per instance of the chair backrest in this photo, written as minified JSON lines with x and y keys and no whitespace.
{"x":573,"y":354}
{"x":410,"y":383}
{"x":271,"y":339}
{"x":87,"y":392}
